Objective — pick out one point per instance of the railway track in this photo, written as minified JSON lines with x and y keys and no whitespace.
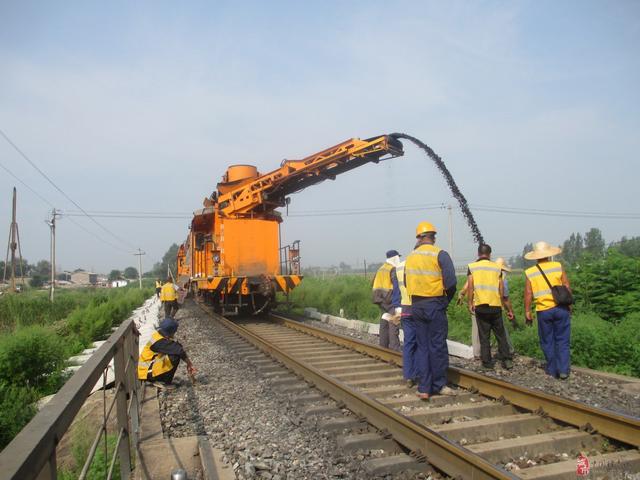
{"x":489,"y":429}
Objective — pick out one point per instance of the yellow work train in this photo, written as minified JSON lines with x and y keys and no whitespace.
{"x":233,"y":254}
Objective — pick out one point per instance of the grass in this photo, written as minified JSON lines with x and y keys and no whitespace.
{"x":595,"y":342}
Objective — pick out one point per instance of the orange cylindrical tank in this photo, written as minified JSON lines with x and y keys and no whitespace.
{"x":241,"y":172}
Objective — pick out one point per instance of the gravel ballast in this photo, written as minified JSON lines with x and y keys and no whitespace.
{"x":591,"y":389}
{"x":262,"y":431}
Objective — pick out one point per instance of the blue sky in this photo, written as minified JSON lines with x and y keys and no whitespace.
{"x":142,"y":106}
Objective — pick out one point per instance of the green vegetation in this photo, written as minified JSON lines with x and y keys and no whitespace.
{"x":605,"y":329}
{"x":36,"y":338}
{"x":81,"y":438}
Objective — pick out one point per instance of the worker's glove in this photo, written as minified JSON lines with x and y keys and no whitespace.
{"x":395,"y":319}
{"x":398,"y":311}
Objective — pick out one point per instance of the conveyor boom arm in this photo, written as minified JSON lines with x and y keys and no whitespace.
{"x":268,"y":192}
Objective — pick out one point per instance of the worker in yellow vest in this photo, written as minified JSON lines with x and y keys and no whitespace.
{"x":485,"y":294}
{"x":169,"y":298}
{"x":386,"y":294}
{"x":431,"y":284}
{"x":161,"y":356}
{"x":410,"y":343}
{"x":554,"y":321}
{"x":158,"y":287}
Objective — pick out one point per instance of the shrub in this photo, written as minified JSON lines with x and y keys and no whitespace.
{"x":32,"y":356}
{"x":16,"y":409}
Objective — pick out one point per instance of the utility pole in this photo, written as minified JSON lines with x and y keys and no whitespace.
{"x":12,"y":245}
{"x":139,"y":255}
{"x":450,"y":208}
{"x":52,"y":226}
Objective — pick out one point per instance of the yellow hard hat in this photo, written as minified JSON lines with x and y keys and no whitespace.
{"x":425,"y":227}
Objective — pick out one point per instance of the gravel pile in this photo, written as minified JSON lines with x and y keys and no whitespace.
{"x":582,"y":387}
{"x":263,"y":433}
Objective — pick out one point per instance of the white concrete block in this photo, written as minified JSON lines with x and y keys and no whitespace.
{"x":456,"y":349}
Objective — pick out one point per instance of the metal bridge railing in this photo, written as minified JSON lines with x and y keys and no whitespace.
{"x":32,"y":453}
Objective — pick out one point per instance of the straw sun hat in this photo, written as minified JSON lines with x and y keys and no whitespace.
{"x":502,"y":264}
{"x":542,"y":250}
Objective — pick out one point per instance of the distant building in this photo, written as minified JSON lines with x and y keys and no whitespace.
{"x":119,"y":283}
{"x":84,"y":278}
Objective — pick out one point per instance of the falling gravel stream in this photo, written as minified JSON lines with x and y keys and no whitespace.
{"x":455,"y":191}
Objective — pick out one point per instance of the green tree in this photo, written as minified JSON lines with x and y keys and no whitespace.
{"x":594,"y":243}
{"x":37,"y":280}
{"x":572,"y":249}
{"x":169,"y":260}
{"x":628,"y":246}
{"x":131,"y":273}
{"x":42,"y":268}
{"x":114,"y":275}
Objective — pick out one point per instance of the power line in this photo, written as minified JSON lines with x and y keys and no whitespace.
{"x":24,"y":155}
{"x":27,"y":186}
{"x":555,"y":213}
{"x":376,"y":210}
{"x":37,"y":194}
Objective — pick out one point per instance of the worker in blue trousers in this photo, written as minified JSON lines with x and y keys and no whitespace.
{"x":554,"y":318}
{"x":410,"y":344}
{"x":431,"y":284}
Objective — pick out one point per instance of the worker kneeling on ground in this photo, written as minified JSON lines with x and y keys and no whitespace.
{"x":161,"y":356}
{"x":485,"y":296}
{"x":169,"y":298}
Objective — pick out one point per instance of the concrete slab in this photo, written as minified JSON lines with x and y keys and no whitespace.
{"x":326,"y":410}
{"x":397,"y":379}
{"x":488,"y":429}
{"x":310,"y":398}
{"x":544,"y":444}
{"x":156,"y":459}
{"x":392,"y":464}
{"x":340,"y":423}
{"x":368,"y":441}
{"x":150,"y":425}
{"x":441,"y":414}
{"x":619,"y":463}
{"x":213,"y":465}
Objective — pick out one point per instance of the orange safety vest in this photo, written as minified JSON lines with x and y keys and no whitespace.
{"x":159,"y":363}
{"x":541,"y":291}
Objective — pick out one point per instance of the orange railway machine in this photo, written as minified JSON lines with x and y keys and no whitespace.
{"x":233,"y":255}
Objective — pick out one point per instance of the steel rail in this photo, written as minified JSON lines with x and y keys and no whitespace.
{"x":610,"y":424}
{"x":442,"y":453}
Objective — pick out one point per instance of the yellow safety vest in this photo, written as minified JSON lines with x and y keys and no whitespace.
{"x":541,"y":291}
{"x":405,"y":299}
{"x":486,"y":283}
{"x":158,"y":362}
{"x":382,"y":280}
{"x":423,"y":272}
{"x":168,"y":293}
